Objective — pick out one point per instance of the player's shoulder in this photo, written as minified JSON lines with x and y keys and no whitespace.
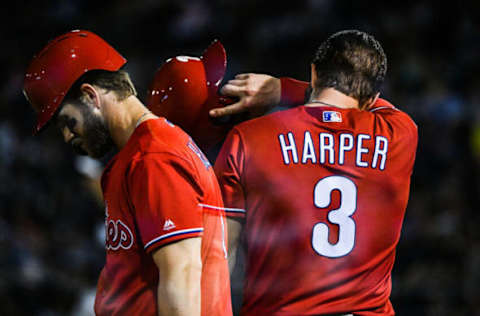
{"x":159,"y":135}
{"x":387,"y":110}
{"x":385,"y":106}
{"x":165,"y":142}
{"x":157,"y":140}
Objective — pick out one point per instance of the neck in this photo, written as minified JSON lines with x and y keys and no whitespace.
{"x":125,"y":116}
{"x":332,"y":97}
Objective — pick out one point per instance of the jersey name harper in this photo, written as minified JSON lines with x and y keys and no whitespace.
{"x":334,"y":149}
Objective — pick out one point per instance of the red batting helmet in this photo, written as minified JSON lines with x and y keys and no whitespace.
{"x":185,"y":89}
{"x":59,"y":64}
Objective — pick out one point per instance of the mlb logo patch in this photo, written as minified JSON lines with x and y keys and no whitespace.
{"x":332,"y":116}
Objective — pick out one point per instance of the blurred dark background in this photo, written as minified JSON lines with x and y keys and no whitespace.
{"x":51,"y":222}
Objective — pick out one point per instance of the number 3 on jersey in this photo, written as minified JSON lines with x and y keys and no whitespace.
{"x":341,"y":216}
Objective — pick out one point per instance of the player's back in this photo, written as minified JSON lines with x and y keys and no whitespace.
{"x":325,"y":194}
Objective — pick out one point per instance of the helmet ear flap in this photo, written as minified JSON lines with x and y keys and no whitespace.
{"x":185,"y":88}
{"x":59,"y":64}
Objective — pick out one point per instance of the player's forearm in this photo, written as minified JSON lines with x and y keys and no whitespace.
{"x":259,"y":93}
{"x":235,"y":227}
{"x":179,"y":293}
{"x":232,"y":258}
{"x":179,"y":283}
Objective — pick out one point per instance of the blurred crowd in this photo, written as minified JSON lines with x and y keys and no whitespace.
{"x":51,"y":216}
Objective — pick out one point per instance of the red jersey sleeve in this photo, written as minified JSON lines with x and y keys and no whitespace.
{"x":228,"y":168}
{"x":165,"y":197}
{"x":401,"y":130}
{"x":292,"y":91}
{"x":394,"y":120}
{"x":381,"y":104}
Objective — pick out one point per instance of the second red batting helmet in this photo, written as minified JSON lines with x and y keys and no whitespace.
{"x":185,"y":89}
{"x":59,"y":64}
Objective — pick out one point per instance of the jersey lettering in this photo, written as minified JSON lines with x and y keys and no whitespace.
{"x":326,"y":146}
{"x":290,"y":149}
{"x":308,"y":149}
{"x":118,"y":235}
{"x":344,"y":146}
{"x":361,"y":150}
{"x":381,"y":147}
{"x":335,"y":148}
{"x":191,"y":144}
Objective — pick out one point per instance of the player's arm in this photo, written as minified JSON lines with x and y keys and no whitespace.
{"x":400,"y":129}
{"x":258,"y":93}
{"x":180,"y":270}
{"x":229,"y":171}
{"x":235,"y":227}
{"x":170,"y":225}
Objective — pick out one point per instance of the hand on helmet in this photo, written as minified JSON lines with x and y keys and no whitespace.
{"x":256,"y":94}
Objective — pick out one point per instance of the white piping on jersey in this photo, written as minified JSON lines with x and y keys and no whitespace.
{"x":223,"y":239}
{"x":228,"y":209}
{"x":221,"y":221}
{"x":178,"y":232}
{"x":383,"y":107}
{"x":394,"y":108}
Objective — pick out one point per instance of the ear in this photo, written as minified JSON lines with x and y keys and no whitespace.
{"x":91,"y":94}
{"x":370,"y":102}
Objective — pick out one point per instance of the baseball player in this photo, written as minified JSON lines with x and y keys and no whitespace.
{"x":320,"y":191}
{"x":165,"y":228}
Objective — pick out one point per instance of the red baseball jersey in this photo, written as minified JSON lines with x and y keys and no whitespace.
{"x":323,"y":192}
{"x":159,"y":189}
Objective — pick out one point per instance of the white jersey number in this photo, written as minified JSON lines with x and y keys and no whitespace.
{"x":340,"y":216}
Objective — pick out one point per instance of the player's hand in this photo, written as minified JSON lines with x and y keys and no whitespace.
{"x":256,"y":94}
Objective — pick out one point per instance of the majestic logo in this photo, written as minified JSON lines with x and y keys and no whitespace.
{"x":118,"y":235}
{"x":168,"y":225}
{"x":332,"y":116}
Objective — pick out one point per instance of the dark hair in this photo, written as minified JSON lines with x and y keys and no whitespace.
{"x":117,"y":81}
{"x":352,"y":62}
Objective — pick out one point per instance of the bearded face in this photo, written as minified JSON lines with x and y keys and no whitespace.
{"x":84,"y":129}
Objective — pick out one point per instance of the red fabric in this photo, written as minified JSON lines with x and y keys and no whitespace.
{"x":292,"y":91}
{"x":159,"y":189}
{"x":292,"y":269}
